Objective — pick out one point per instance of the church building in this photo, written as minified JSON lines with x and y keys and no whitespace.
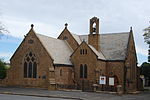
{"x":90,"y":62}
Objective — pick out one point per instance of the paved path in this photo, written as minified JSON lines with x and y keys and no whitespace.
{"x":17,"y":97}
{"x":73,"y":94}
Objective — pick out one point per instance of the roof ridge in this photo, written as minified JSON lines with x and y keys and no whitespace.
{"x":49,"y":37}
{"x":45,"y":35}
{"x":104,"y":33}
{"x":115,"y":33}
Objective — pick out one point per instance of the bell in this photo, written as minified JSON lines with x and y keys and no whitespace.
{"x":94,"y":29}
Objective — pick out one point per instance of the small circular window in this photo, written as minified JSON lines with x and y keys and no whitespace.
{"x":30,"y":41}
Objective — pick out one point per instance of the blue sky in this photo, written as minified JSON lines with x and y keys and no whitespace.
{"x":49,"y":17}
{"x":8,"y":45}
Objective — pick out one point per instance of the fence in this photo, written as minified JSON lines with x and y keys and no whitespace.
{"x":87,"y":86}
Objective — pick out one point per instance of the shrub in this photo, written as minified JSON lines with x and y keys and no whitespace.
{"x":2,"y":70}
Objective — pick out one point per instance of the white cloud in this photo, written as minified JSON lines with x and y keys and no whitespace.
{"x":5,"y":54}
{"x":49,"y":16}
{"x":142,"y":51}
{"x":19,"y":27}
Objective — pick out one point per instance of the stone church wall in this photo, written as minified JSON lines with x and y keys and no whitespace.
{"x":44,"y":62}
{"x":131,"y":66}
{"x":116,"y":70}
{"x":66,"y":35}
{"x":64,"y":76}
{"x":90,"y":60}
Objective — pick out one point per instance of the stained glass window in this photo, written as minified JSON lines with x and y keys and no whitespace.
{"x":30,"y":66}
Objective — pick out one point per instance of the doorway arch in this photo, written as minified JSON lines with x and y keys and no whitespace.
{"x":116,"y":81}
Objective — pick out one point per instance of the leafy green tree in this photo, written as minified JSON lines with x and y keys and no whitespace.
{"x":147,"y":39}
{"x":145,"y":69}
{"x":147,"y":35}
{"x":2,"y":69}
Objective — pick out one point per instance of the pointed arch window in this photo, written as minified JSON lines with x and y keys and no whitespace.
{"x":34,"y":70}
{"x":83,"y":51}
{"x":25,"y":69}
{"x":30,"y":66}
{"x":83,"y":71}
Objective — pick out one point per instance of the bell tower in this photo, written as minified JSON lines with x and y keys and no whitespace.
{"x":94,"y":25}
{"x":94,"y":36}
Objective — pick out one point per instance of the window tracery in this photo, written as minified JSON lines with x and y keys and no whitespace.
{"x":30,"y":66}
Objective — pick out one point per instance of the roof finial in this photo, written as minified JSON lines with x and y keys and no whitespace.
{"x":32,"y":25}
{"x":83,"y":40}
{"x":131,"y":29}
{"x":66,"y":25}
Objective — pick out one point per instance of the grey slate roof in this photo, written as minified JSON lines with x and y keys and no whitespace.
{"x":59,"y":50}
{"x":113,"y":45}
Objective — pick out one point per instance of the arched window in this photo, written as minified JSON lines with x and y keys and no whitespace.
{"x":85,"y":51}
{"x":25,"y":69}
{"x":81,"y":51}
{"x":30,"y":70}
{"x":83,"y":71}
{"x":34,"y":70}
{"x":30,"y":66}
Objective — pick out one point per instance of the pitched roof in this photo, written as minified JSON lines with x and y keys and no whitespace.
{"x":99,"y":54}
{"x":77,"y":38}
{"x":59,"y":50}
{"x":113,"y":45}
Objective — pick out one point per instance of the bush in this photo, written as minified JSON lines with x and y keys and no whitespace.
{"x":2,"y":70}
{"x":145,"y":69}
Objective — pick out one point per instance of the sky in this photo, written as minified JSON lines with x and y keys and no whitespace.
{"x":49,"y":17}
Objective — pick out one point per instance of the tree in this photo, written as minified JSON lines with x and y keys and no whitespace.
{"x":145,"y":70}
{"x":2,"y":69}
{"x":147,"y":39}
